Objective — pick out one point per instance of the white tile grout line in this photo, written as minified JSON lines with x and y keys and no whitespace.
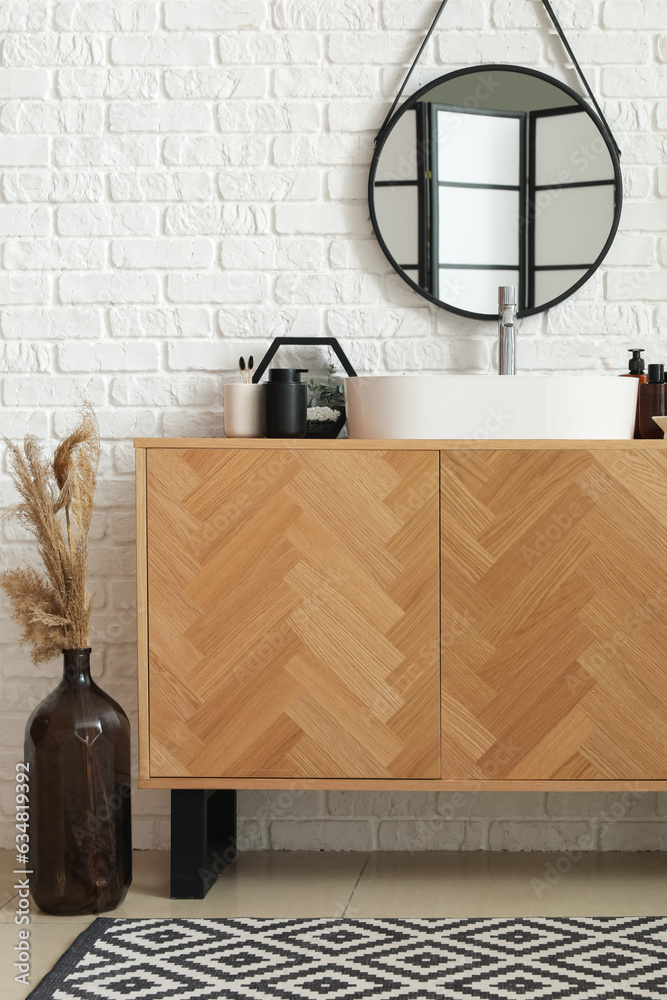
{"x":5,"y":906}
{"x":354,"y":888}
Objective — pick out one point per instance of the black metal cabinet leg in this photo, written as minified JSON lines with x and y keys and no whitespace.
{"x":203,"y":839}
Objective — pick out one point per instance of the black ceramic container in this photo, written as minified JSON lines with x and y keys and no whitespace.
{"x":284,"y":404}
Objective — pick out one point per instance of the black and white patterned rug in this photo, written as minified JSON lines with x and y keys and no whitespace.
{"x":590,"y":958}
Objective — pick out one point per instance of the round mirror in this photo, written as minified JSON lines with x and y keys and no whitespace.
{"x":495,"y":175}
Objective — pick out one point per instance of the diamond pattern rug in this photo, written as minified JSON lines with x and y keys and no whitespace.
{"x":588,"y":958}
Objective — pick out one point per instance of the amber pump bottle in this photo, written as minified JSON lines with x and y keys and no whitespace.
{"x":652,"y":402}
{"x":636,"y":370}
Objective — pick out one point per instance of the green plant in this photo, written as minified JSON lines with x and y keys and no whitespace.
{"x":328,"y":393}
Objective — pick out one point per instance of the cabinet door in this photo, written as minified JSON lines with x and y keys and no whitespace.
{"x":554,"y":614}
{"x":293,"y":613}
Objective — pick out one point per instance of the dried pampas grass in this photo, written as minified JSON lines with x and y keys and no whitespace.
{"x":56,"y":506}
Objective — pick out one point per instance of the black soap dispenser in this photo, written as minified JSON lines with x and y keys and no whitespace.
{"x":284,"y":404}
{"x":637,"y":364}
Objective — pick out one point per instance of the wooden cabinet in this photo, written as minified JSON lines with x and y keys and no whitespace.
{"x":351,"y":614}
{"x":554,"y":614}
{"x":293,"y":613}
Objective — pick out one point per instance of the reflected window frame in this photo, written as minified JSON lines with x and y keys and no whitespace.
{"x":424,"y":182}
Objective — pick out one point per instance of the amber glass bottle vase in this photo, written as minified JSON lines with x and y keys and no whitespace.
{"x":77,"y":747}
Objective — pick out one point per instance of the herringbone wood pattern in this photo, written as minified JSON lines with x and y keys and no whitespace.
{"x":554,"y":614}
{"x":293,"y":613}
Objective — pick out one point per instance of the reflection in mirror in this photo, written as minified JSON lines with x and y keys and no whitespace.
{"x":495,"y":176}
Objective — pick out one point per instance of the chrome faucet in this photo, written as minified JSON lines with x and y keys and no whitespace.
{"x":507,"y":308}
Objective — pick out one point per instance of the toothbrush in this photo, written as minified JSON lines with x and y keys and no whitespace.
{"x":242,"y":369}
{"x":251,"y":365}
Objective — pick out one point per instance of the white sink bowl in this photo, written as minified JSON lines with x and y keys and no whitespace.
{"x":497,"y":407}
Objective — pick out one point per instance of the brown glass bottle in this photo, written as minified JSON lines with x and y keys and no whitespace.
{"x":652,"y":402}
{"x":77,"y":747}
{"x":636,"y":370}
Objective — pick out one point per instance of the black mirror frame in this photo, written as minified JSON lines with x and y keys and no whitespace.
{"x":468,"y":70}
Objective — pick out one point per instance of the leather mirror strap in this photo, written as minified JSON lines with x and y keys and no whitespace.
{"x":561,"y":34}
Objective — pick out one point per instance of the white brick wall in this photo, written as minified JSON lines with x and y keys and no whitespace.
{"x":183,"y":181}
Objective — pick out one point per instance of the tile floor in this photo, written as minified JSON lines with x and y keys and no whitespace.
{"x":362,"y":885}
